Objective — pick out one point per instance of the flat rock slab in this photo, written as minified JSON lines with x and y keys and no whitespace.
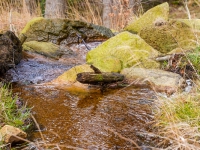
{"x":159,"y":80}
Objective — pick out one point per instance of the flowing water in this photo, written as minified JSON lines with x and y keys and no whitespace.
{"x":83,"y":119}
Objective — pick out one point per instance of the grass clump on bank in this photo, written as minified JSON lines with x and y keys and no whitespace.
{"x":178,"y":116}
{"x":12,"y":110}
{"x":194,"y":58}
{"x":179,"y":120}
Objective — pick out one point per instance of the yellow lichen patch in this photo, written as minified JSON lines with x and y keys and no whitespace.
{"x":44,"y":48}
{"x":69,"y":77}
{"x":160,"y":12}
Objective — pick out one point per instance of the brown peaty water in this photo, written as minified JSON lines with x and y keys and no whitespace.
{"x":89,"y":119}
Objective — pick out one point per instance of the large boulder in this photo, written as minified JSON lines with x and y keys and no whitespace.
{"x":122,"y":51}
{"x":165,"y":38}
{"x":10,"y":51}
{"x":157,"y":14}
{"x":63,"y":31}
{"x":47,"y":49}
{"x":10,"y":134}
{"x":159,"y":80}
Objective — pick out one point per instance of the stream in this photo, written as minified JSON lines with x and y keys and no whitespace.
{"x":83,"y":119}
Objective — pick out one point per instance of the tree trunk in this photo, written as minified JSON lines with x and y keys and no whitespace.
{"x":106,"y":13}
{"x":55,"y":8}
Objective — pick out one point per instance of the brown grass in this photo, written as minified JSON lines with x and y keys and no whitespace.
{"x":14,"y":14}
{"x":122,"y":11}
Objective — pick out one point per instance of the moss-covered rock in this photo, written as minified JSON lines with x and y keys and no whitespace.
{"x":172,"y":35}
{"x":159,"y":80}
{"x":44,"y":48}
{"x":125,"y":47}
{"x":64,"y":31}
{"x":108,"y":64}
{"x":193,"y":23}
{"x":69,"y":77}
{"x":156,"y":14}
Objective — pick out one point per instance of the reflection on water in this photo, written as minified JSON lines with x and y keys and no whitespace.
{"x":89,"y":119}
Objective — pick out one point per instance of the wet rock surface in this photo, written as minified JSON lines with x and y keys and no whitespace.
{"x":35,"y":68}
{"x":10,"y":51}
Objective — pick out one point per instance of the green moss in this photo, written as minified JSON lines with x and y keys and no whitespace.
{"x":30,"y":23}
{"x":99,"y":77}
{"x":160,"y":12}
{"x":44,"y":48}
{"x":174,"y":34}
{"x":126,"y":47}
{"x":193,"y":23}
{"x":108,"y":64}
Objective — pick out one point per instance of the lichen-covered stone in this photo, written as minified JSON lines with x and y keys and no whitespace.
{"x":172,"y":35}
{"x":159,"y":80}
{"x":44,"y":48}
{"x":159,"y":13}
{"x":64,"y":31}
{"x":129,"y":48}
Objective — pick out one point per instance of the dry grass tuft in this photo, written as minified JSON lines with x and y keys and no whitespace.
{"x":178,"y":120}
{"x":122,"y":11}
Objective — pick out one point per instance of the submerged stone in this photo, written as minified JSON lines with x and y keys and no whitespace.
{"x":69,"y":77}
{"x":157,"y":14}
{"x":125,"y":50}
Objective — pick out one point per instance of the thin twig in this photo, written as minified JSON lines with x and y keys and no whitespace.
{"x":122,"y":137}
{"x":39,"y":129}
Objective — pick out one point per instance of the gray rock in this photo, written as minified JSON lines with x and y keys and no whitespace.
{"x":159,"y":80}
{"x":63,"y":31}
